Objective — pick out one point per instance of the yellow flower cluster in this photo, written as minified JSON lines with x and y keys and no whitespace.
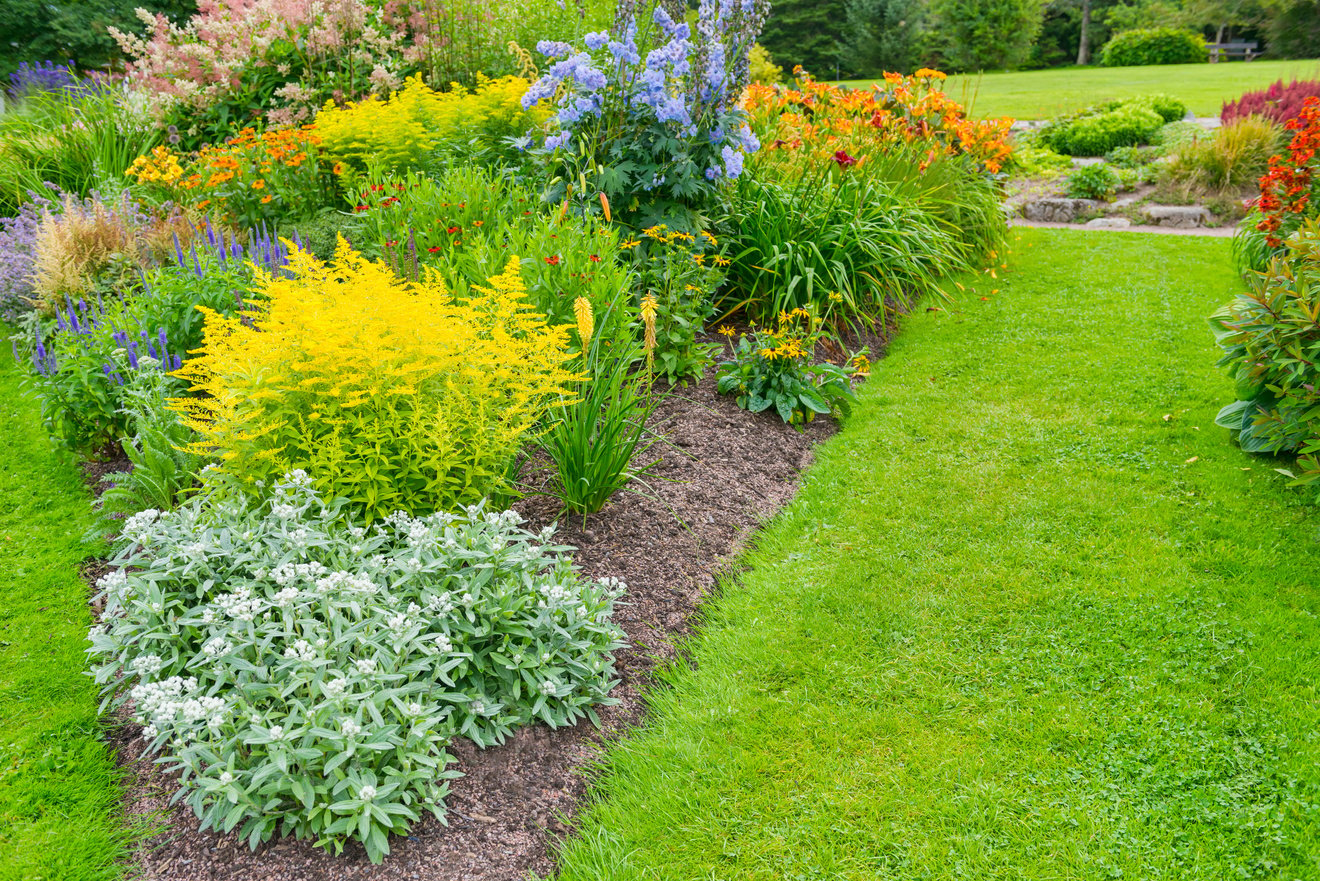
{"x":401,"y":130}
{"x":793,"y":339}
{"x":160,"y":166}
{"x":390,"y":394}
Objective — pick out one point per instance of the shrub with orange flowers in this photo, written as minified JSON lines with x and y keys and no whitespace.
{"x":251,"y":179}
{"x":1290,"y":190}
{"x":859,"y":202}
{"x":813,"y":121}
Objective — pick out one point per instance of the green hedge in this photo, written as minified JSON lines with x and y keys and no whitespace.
{"x":1103,"y":127}
{"x":1153,"y":46}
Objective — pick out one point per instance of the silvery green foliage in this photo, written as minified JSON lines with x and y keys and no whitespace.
{"x":305,"y":675}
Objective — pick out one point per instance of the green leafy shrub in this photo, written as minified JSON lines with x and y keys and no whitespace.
{"x":1173,"y":135}
{"x":305,"y":676}
{"x":772,"y":368}
{"x":1131,"y":157}
{"x":1153,"y":46}
{"x":84,"y":370}
{"x":1096,"y":181}
{"x":1095,"y":134}
{"x":677,"y":278}
{"x":1268,"y":334}
{"x":163,"y":468}
{"x":1103,"y":127}
{"x":466,"y":219}
{"x":396,"y":397}
{"x":762,"y":68}
{"x":1031,"y":158}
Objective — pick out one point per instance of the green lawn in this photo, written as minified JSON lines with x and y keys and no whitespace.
{"x":1040,"y":94}
{"x":59,"y":809}
{"x":1031,"y":616}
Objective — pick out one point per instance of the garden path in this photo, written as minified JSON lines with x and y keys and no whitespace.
{"x":1032,"y":615}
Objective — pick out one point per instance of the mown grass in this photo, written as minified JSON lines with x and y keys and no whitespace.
{"x":1040,"y":94}
{"x":59,"y":793}
{"x":1031,"y":616}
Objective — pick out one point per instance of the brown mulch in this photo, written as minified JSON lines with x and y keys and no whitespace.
{"x":723,"y":472}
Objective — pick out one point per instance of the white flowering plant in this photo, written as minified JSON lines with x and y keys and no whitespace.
{"x":304,"y":676}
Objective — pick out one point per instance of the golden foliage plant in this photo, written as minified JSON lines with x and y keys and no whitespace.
{"x":405,"y":129}
{"x":388,"y":393}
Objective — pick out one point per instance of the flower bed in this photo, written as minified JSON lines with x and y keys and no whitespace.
{"x":330,"y":368}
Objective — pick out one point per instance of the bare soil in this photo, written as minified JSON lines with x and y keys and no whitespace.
{"x":722,"y":473}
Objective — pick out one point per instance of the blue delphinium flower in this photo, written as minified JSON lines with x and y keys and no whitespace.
{"x":554,"y":48}
{"x":733,"y":161}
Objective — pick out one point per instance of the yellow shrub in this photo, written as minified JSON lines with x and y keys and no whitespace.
{"x":404,"y":129}
{"x":387,"y":393}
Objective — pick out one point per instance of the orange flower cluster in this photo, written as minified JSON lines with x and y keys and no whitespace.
{"x":1287,"y":187}
{"x":830,"y":121}
{"x":252,"y":177}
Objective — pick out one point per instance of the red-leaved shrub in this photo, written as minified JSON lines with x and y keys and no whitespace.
{"x":1278,"y":103}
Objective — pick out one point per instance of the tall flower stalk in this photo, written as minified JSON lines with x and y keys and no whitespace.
{"x":648,"y":115}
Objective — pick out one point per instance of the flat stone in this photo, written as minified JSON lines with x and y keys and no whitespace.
{"x":1126,"y":202}
{"x":1057,"y":210}
{"x":1177,"y":216}
{"x":1108,"y":223}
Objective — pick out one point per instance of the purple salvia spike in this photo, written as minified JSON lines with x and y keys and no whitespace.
{"x":161,"y":338}
{"x":177,"y":362}
{"x":178,"y":251}
{"x":133,"y":357}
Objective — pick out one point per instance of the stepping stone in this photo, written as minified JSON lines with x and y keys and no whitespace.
{"x":1108,"y":223}
{"x":1177,"y":216}
{"x":1057,"y":210}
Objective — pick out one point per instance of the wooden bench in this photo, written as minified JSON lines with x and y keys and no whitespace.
{"x":1245,"y":51}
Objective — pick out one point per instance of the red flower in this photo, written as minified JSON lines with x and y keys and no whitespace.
{"x":553,"y":261}
{"x":594,"y":258}
{"x":433,"y":250}
{"x":452,"y":230}
{"x":362,"y":208}
{"x":844,"y":160}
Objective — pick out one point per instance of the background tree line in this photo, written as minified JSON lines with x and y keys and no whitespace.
{"x":865,"y":37}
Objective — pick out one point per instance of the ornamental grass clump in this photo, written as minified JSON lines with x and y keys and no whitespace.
{"x":304,"y":676}
{"x":392,"y":394}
